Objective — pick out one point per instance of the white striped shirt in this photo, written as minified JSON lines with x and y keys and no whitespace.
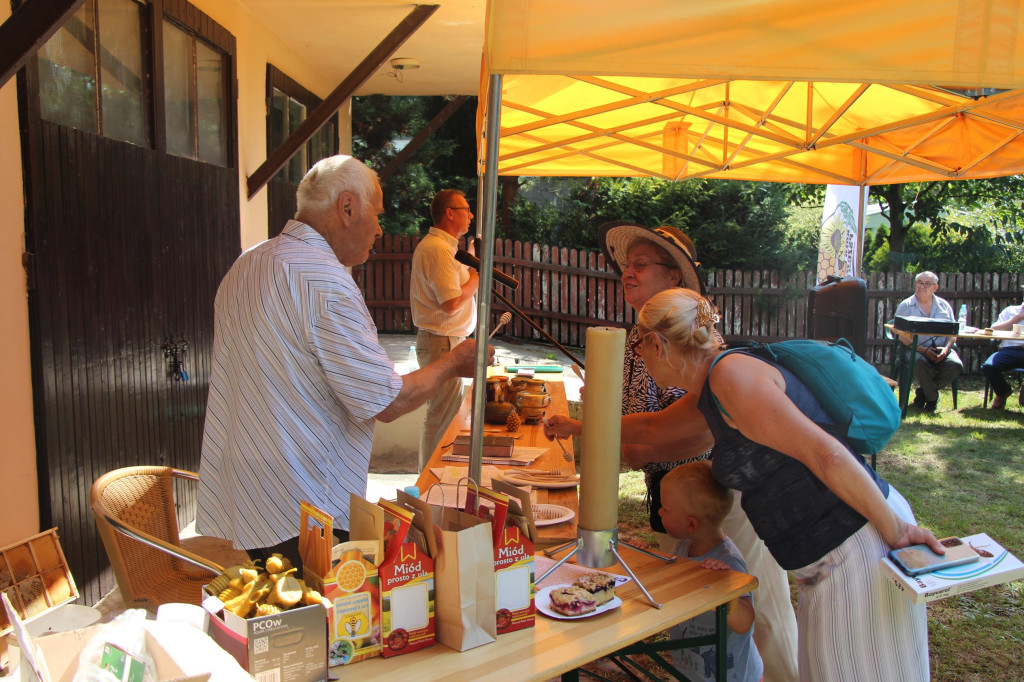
{"x":298,"y":376}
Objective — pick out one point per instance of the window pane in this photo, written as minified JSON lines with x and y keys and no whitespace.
{"x":297,"y":164}
{"x":321,"y":146}
{"x":178,"y":104}
{"x":67,"y":76}
{"x":213,"y":146}
{"x":123,"y":86}
{"x":278,"y":119}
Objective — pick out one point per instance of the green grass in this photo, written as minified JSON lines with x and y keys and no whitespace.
{"x":963,"y":473}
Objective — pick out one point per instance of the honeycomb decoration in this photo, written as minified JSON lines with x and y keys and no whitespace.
{"x":513,"y":421}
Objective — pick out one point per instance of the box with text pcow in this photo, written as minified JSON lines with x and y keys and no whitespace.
{"x":995,"y":566}
{"x":291,"y":645}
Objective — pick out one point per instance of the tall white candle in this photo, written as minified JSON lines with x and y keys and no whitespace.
{"x":602,"y":428}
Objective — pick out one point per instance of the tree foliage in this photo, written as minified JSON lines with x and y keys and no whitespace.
{"x":445,"y":160}
{"x":951,"y":226}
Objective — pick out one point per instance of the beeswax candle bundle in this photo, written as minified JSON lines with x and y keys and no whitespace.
{"x":602,"y":422}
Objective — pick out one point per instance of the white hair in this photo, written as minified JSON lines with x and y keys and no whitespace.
{"x":329,"y":177}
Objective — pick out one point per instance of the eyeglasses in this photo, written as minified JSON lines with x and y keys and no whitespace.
{"x":459,"y":208}
{"x":926,"y":285}
{"x":635,"y":346}
{"x":640,"y":265}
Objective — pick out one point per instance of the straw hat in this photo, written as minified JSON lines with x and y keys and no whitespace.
{"x":616,"y":237}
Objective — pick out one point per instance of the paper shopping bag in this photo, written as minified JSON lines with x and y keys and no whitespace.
{"x":464,"y":581}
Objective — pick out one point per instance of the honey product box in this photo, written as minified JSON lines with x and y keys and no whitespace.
{"x":514,"y":579}
{"x":348,"y":580}
{"x":995,"y":566}
{"x":406,"y":586}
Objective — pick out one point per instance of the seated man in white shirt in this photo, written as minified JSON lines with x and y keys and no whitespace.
{"x":937,"y":364}
{"x":1009,"y":356}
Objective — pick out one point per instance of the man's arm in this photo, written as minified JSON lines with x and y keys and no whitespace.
{"x":453,"y":305}
{"x":418,"y":386}
{"x":1007,"y":324}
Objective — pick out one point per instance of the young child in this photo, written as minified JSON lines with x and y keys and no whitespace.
{"x":693,"y":506}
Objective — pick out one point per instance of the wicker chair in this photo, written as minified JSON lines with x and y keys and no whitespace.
{"x":135,"y":513}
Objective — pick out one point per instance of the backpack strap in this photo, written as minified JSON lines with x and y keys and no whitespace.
{"x":764,"y":352}
{"x":713,"y":363}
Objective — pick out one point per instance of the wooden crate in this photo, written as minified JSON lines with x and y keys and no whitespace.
{"x":34,"y":575}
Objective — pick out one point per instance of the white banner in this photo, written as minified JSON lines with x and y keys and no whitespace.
{"x":840,"y":246}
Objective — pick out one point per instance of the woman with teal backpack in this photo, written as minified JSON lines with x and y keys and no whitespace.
{"x":823,"y":513}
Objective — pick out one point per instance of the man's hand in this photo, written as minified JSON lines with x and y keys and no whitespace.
{"x":931,"y":355}
{"x":464,"y":357}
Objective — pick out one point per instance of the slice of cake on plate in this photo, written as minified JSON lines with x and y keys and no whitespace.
{"x":572,"y":601}
{"x":600,"y":585}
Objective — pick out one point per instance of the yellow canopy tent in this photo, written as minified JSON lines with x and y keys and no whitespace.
{"x":862,"y":92}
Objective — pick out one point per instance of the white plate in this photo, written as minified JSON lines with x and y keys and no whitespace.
{"x":516,"y":478}
{"x":543,"y":602}
{"x":550,"y":514}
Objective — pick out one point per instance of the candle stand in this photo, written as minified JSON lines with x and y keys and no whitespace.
{"x":599,"y":549}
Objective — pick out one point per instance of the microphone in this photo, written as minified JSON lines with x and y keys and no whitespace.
{"x":502,"y":321}
{"x":466,"y":258}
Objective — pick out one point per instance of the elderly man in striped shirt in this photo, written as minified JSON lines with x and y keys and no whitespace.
{"x":298,"y":377}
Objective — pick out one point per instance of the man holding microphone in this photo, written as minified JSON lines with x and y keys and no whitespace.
{"x":443,"y":304}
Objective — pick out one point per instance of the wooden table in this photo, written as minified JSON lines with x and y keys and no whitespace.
{"x":556,"y":647}
{"x":904,"y":356}
{"x":532,"y":436}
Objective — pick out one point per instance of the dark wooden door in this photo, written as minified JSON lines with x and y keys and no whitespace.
{"x":129,"y":246}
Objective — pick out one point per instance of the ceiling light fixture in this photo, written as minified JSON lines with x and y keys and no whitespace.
{"x":400,"y":65}
{"x":404,"y":63}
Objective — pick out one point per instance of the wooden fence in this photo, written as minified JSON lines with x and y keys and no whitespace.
{"x":567,"y":290}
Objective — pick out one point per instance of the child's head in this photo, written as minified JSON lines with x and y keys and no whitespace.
{"x":692,"y":500}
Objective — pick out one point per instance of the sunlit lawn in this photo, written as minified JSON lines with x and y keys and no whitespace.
{"x":963,"y":473}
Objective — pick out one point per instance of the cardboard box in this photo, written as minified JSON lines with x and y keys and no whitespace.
{"x":514,"y":584}
{"x":60,"y":653}
{"x":406,"y":587}
{"x":995,"y":567}
{"x":54,"y":658}
{"x":291,"y":645}
{"x":349,"y":581}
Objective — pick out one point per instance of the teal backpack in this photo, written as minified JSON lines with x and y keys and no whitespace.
{"x":850,"y":390}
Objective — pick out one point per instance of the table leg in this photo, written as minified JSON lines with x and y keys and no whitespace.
{"x":571,"y":676}
{"x":722,"y":634}
{"x":903,"y":360}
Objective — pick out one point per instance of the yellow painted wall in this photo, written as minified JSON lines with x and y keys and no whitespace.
{"x":255,"y":47}
{"x":20,"y":515}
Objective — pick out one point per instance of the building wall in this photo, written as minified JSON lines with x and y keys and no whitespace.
{"x":21,"y":509}
{"x":256,"y":47}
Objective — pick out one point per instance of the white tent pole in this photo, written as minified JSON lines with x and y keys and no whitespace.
{"x":486,"y":225}
{"x":861,"y":210}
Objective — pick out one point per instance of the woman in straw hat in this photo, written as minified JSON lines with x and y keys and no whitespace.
{"x":650,"y":262}
{"x":824,"y":514}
